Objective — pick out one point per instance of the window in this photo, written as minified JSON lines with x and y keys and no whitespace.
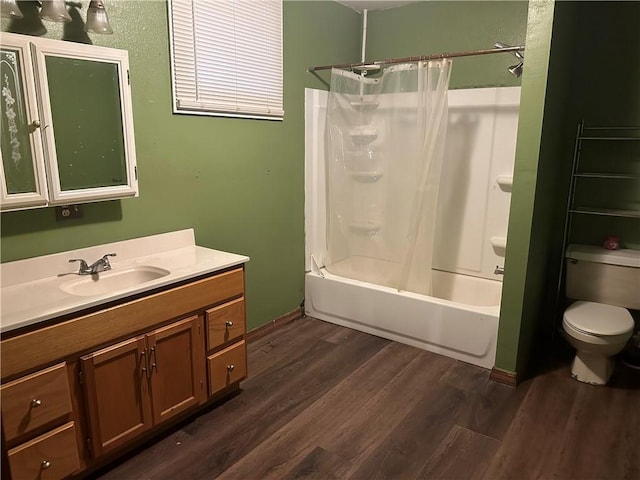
{"x":227,"y":57}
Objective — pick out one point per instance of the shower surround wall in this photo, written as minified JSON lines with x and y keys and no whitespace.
{"x":461,"y":318}
{"x":385,"y":142}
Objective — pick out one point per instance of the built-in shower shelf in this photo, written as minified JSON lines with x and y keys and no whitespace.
{"x":505,"y":181}
{"x":366,"y":176}
{"x":363,"y":136}
{"x":365,"y":228}
{"x":364,"y":106}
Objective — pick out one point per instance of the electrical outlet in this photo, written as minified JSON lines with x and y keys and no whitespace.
{"x":68,"y":212}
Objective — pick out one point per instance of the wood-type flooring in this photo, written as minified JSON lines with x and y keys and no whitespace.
{"x":326,"y":402}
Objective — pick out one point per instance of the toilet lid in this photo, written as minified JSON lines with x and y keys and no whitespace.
{"x":598,"y":318}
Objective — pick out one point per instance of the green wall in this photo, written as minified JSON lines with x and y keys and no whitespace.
{"x":609,"y":94}
{"x":518,"y":254}
{"x":553,"y":172}
{"x":238,"y":183}
{"x":569,"y":76}
{"x":433,"y":27}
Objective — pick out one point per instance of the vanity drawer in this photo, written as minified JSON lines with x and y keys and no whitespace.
{"x":35,"y":400}
{"x":227,"y":366}
{"x":225,"y":323}
{"x":51,"y":456}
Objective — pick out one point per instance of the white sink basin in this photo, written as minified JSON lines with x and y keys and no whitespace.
{"x":112,"y":281}
{"x":47,"y":287}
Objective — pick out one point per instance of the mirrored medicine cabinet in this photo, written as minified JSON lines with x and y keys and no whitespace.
{"x":67,"y":124}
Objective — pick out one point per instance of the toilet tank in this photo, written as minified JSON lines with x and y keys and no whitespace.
{"x":605,"y":276}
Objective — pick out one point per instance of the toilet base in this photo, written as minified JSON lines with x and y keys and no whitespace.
{"x":593,"y":369}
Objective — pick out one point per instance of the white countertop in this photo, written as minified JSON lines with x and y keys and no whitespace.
{"x":31,"y":289}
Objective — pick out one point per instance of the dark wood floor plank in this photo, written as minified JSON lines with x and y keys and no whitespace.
{"x":338,"y":334}
{"x":464,"y":454}
{"x":365,"y":432}
{"x":320,"y":465}
{"x":489,"y":407}
{"x":268,"y":351}
{"x":463,"y":395}
{"x":322,"y":422}
{"x":406,"y":449}
{"x":532,"y":445}
{"x":603,"y":435}
{"x":566,"y":429}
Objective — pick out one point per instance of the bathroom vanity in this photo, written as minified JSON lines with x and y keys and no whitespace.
{"x":94,"y":364}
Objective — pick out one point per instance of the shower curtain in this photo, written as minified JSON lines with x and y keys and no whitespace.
{"x":385,"y":140}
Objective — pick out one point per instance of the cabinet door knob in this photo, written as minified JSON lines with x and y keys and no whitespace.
{"x":230,"y":367}
{"x":229,"y":323}
{"x":45,"y":464}
{"x":36,"y":403}
{"x":35,"y":124}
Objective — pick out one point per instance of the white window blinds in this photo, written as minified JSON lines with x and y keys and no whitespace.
{"x":227,"y":57}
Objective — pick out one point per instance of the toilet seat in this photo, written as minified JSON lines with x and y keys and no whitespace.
{"x":598,"y":319}
{"x":594,"y":340}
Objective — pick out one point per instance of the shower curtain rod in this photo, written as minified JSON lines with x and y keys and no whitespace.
{"x":437,"y":56}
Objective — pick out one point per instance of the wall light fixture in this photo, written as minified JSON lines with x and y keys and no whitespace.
{"x":56,"y":11}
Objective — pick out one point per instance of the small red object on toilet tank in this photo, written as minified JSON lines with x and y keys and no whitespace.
{"x":612,"y":242}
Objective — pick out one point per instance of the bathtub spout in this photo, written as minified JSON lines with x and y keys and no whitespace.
{"x":499,"y":270}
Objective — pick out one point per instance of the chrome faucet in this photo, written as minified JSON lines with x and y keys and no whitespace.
{"x":100,"y":265}
{"x":499,"y":270}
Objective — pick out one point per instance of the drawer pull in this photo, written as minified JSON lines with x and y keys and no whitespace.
{"x":45,"y":464}
{"x":230,"y":367}
{"x":35,"y":403}
{"x":229,"y":323}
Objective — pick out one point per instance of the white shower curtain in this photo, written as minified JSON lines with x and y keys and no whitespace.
{"x":385,"y":141}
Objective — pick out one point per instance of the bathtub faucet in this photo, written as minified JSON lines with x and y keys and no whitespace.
{"x":499,"y":270}
{"x":99,"y":265}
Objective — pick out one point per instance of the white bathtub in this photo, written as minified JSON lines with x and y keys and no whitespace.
{"x":450,"y":327}
{"x":462,"y":322}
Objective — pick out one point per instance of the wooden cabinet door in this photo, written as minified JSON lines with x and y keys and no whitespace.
{"x":116,"y":387}
{"x":177,"y":367}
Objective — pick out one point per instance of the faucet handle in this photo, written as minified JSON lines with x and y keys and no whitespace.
{"x":105,"y":260}
{"x":83,"y":264}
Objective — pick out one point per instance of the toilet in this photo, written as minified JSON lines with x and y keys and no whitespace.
{"x":604,"y":284}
